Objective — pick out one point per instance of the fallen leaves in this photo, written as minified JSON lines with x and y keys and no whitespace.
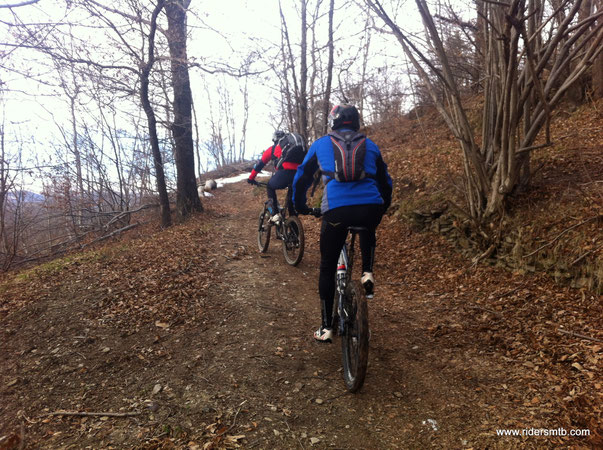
{"x":497,"y":329}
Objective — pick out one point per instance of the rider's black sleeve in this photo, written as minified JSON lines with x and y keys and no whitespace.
{"x":385,"y":182}
{"x":259,"y":166}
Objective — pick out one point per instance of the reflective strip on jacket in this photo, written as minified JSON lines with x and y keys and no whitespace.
{"x":266,"y":156}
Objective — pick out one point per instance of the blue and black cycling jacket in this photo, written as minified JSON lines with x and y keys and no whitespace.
{"x":376,"y":188}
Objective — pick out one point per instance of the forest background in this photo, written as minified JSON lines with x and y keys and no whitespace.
{"x":112,"y":109}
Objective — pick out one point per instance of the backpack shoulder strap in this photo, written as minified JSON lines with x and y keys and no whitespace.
{"x":351,"y":136}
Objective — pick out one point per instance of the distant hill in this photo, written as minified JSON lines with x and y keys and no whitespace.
{"x":26,"y":197}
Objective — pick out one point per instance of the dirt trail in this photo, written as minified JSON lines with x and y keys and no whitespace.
{"x":443,"y":370}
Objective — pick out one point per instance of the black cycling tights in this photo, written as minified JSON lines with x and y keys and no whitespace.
{"x":332,"y":237}
{"x":280,"y":180}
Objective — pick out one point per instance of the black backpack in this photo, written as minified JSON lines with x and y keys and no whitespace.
{"x":349,"y":150}
{"x":293,"y":149}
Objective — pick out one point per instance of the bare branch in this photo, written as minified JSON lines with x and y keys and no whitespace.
{"x":18,"y":5}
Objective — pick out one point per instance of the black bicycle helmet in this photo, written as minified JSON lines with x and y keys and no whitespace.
{"x":277,"y":136}
{"x":344,"y":116}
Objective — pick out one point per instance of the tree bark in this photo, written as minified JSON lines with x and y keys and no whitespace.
{"x":329,"y":69}
{"x":187,"y":198}
{"x":164,"y":202}
{"x":597,"y":74}
{"x":303,"y":98}
{"x":292,"y":109}
{"x":597,"y":68}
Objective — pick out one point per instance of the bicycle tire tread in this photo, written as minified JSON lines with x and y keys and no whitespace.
{"x":354,"y":381}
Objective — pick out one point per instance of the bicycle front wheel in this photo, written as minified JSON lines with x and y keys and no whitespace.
{"x":293,"y":241}
{"x":355,"y":337}
{"x":264,"y":227}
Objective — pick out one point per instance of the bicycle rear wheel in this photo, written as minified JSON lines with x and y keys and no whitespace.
{"x":293,"y":241}
{"x":355,"y":337}
{"x":264,"y":227}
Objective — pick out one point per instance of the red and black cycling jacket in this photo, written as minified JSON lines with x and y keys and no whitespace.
{"x":266,"y":157}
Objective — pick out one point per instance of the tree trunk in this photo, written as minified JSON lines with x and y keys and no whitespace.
{"x":187,"y":198}
{"x":289,"y":64}
{"x":164,"y":202}
{"x":576,"y":93}
{"x":197,"y":149}
{"x":597,"y":74}
{"x":303,"y":100}
{"x":597,"y":68}
{"x":76,"y":150}
{"x":329,"y":69}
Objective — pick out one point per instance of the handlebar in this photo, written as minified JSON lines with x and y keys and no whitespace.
{"x":311,"y":211}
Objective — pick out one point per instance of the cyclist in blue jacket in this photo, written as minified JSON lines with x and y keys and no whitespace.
{"x":358,"y":202}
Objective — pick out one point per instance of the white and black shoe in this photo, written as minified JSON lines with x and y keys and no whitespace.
{"x":324,"y":334}
{"x":276,"y":219}
{"x":368,"y":282}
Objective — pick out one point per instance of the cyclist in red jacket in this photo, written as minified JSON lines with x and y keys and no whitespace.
{"x":283,"y":175}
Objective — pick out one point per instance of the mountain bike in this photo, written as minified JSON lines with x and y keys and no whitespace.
{"x":351,"y":317}
{"x":350,"y":314}
{"x":289,"y":230}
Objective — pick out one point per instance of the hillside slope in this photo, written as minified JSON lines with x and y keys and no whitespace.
{"x":556,"y":226}
{"x":189,"y":338}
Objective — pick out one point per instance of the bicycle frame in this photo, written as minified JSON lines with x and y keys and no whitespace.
{"x":344,"y":275}
{"x":287,"y":209}
{"x":352,"y":314}
{"x":289,"y":230}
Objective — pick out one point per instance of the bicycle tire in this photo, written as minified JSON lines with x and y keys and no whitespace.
{"x":264,"y":227}
{"x":293,"y":241}
{"x":355,"y":337}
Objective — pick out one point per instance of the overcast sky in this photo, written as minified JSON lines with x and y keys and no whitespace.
{"x":220,"y":31}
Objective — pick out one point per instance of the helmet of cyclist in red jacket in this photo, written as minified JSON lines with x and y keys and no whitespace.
{"x":277,"y":136}
{"x":344,"y":116}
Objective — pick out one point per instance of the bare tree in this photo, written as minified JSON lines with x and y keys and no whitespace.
{"x":18,"y":5}
{"x":531,"y":60}
{"x":187,"y":199}
{"x":94,"y":63}
{"x":222,"y":144}
{"x":302,"y":101}
{"x":597,"y":69}
{"x":331,"y":46}
{"x":288,"y":67}
{"x":164,"y":202}
{"x":6,"y":181}
{"x":305,"y":72}
{"x":242,"y":141}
